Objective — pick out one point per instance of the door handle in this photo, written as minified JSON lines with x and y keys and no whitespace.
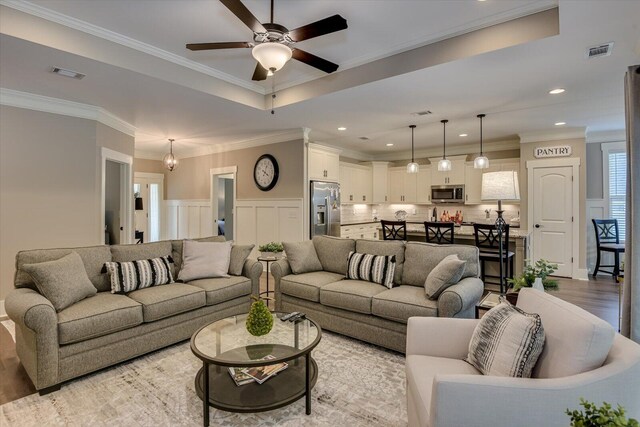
{"x":537,"y":226}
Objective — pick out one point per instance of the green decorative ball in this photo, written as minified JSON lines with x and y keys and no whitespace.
{"x":260,"y":319}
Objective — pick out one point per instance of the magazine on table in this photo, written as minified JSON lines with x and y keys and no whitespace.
{"x":239,"y":377}
{"x":259,"y":374}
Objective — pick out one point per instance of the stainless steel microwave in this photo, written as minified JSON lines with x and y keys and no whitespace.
{"x":447,"y":194}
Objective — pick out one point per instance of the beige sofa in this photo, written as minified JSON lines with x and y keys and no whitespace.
{"x":372,"y":312}
{"x":444,"y":390}
{"x":107,"y":328}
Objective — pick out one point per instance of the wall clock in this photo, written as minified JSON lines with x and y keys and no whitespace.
{"x":265,"y":172}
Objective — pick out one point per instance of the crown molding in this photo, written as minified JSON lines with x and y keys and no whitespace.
{"x":112,"y":36}
{"x":454,"y":150}
{"x":554,"y":135}
{"x":31,"y":101}
{"x":607,"y":136}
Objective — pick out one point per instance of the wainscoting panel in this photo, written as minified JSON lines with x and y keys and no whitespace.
{"x":188,"y":219}
{"x":596,"y":209}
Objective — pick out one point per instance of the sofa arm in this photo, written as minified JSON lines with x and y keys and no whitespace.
{"x":439,"y":336}
{"x":36,"y":335}
{"x":279,"y":269}
{"x":252,"y":269}
{"x":460,"y":300}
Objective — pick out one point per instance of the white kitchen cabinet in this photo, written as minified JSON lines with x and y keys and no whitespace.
{"x":360,"y":231}
{"x":380,"y":182}
{"x":356,"y":183}
{"x":423,"y":193}
{"x":453,"y":177}
{"x":403,"y":186}
{"x":346,"y":183}
{"x":323,"y":163}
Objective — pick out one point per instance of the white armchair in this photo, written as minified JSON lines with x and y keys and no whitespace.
{"x":444,"y":390}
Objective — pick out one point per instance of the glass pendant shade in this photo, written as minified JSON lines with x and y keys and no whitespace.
{"x":169,"y":160}
{"x":413,"y":167}
{"x":444,"y":165}
{"x":481,"y":162}
{"x":272,"y":56}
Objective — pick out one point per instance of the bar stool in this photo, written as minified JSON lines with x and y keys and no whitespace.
{"x":487,"y":241}
{"x":608,"y":240}
{"x":394,"y":230}
{"x":439,"y":232}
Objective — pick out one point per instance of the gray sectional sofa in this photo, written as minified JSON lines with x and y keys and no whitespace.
{"x":107,"y":328}
{"x":369,"y":311}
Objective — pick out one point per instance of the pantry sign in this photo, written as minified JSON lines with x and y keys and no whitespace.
{"x":559,"y":151}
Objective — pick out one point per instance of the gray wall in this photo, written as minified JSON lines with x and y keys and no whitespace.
{"x":595,"y":179}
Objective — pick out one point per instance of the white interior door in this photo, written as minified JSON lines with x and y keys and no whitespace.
{"x":552,"y":202}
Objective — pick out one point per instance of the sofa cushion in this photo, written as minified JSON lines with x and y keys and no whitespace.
{"x":421,"y":258}
{"x":421,"y":370}
{"x":333,"y":252}
{"x":576,"y":341}
{"x":352,"y":295}
{"x":164,"y":301}
{"x":239,"y":254}
{"x":448,"y":272}
{"x":63,"y":281}
{"x":221,"y":289}
{"x":123,"y":253}
{"x":506,"y":342}
{"x":403,"y":302}
{"x":202,"y":260}
{"x":93,"y":258}
{"x":176,"y":249}
{"x":372,"y":268}
{"x":307,"y":285}
{"x":101,"y":314}
{"x":302,"y":257}
{"x":385,"y":247}
{"x":132,"y":275}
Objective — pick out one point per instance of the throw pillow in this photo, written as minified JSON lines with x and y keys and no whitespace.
{"x":372,"y":268}
{"x":63,"y":281}
{"x":302,"y":257}
{"x":239,"y":254}
{"x":448,"y":272}
{"x":201,"y":260}
{"x":506,"y":342}
{"x":128,"y":276}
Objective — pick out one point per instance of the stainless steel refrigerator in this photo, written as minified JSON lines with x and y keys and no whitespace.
{"x":325,"y":209}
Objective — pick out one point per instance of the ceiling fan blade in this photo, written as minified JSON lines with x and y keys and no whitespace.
{"x":221,"y":45}
{"x":244,"y":15}
{"x":260,"y":73}
{"x":314,"y":61}
{"x":319,"y":28}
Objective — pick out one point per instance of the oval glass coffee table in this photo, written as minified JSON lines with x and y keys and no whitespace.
{"x":226,"y":343}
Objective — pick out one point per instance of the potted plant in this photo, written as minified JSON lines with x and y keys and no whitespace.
{"x":594,"y":416}
{"x":536,"y":276}
{"x":271,"y":250}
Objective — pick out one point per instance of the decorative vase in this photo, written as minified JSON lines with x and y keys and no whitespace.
{"x":260,"y":320}
{"x":537,"y":284}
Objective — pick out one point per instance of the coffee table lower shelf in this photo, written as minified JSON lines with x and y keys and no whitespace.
{"x":280,"y":390}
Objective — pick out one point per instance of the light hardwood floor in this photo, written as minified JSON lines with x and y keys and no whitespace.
{"x":599,"y":297}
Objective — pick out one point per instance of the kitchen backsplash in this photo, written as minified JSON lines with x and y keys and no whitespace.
{"x":471,"y":213}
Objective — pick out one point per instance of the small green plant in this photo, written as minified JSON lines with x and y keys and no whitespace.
{"x":603,"y":416}
{"x":271,"y":247}
{"x":541,"y":269}
{"x":260,"y":320}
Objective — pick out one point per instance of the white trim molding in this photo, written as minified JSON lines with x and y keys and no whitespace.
{"x":31,"y":101}
{"x":554,"y":135}
{"x":126,"y":197}
{"x":574,"y":162}
{"x":607,"y":136}
{"x":188,"y":219}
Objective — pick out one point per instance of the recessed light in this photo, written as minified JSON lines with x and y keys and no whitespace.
{"x":560,"y":123}
{"x":67,"y":73}
{"x":342,"y":128}
{"x":389,"y":145}
{"x":463,"y":135}
{"x":556,"y":91}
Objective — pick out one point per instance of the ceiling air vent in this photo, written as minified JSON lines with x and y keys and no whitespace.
{"x":68,"y":73}
{"x":421,"y":113}
{"x":600,"y":50}
{"x":364,"y":138}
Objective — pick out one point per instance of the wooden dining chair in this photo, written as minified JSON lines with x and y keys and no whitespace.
{"x":439,"y":232}
{"x":487,"y":240}
{"x":394,"y":230}
{"x":608,"y":240}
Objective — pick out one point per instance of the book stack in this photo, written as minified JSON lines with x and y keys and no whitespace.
{"x":259,"y":374}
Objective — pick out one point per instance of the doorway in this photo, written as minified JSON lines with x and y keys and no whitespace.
{"x":116,"y":206}
{"x":223,"y":199}
{"x":148,"y":218}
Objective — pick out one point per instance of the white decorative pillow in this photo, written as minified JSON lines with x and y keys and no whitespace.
{"x":448,"y":272}
{"x":201,"y":260}
{"x":131,"y":275}
{"x":372,"y":268}
{"x":507,"y":342}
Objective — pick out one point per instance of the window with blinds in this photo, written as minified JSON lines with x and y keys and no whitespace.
{"x":618,"y":188}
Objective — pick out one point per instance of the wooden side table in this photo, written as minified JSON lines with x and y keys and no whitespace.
{"x":267,"y":260}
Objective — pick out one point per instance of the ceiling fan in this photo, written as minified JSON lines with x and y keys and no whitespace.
{"x":272,"y":43}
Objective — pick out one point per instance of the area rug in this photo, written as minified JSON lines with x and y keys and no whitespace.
{"x":358,"y":385}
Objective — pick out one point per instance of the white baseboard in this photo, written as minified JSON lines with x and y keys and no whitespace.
{"x":581,"y":274}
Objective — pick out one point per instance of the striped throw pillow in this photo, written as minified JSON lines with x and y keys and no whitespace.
{"x":507,"y":342}
{"x":129,"y":276}
{"x":372,"y":268}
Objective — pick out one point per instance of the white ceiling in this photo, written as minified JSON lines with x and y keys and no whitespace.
{"x":510,"y":85}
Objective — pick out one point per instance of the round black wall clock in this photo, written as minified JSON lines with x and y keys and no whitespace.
{"x":265,"y":172}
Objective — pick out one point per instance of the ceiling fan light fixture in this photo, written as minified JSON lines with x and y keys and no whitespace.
{"x":272,"y":56}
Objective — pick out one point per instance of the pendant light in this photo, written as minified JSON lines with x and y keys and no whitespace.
{"x":413,"y":166}
{"x":444,"y":164}
{"x":169,"y":160}
{"x":481,"y":162}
